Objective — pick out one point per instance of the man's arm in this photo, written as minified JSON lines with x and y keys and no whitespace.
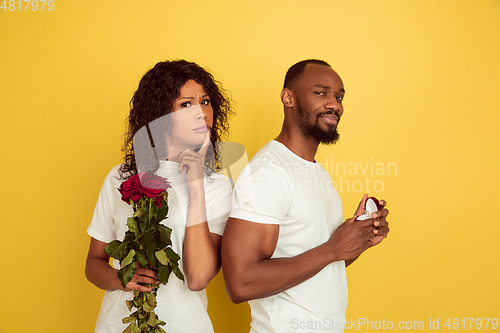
{"x":250,"y":272}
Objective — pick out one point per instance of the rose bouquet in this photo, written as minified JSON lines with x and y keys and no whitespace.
{"x":147,"y":244}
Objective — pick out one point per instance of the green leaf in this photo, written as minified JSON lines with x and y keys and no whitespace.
{"x":129,"y":236}
{"x":164,"y":273}
{"x":171,"y":254}
{"x":143,"y":223}
{"x":147,"y":307}
{"x":150,"y":253}
{"x":154,"y":211}
{"x":141,"y":258}
{"x":128,"y":320}
{"x":126,"y":274}
{"x":148,"y":236}
{"x":163,"y":212}
{"x":122,"y":247}
{"x":130,"y":305}
{"x":139,"y":212}
{"x":165,"y":233}
{"x":132,"y":328}
{"x":165,"y":228}
{"x":162,"y":257}
{"x":160,"y":330}
{"x":138,"y":330}
{"x":136,"y":245}
{"x":176,"y":270}
{"x":159,"y":243}
{"x":151,"y":298}
{"x":152,"y":320}
{"x":128,"y":259}
{"x":112,"y":247}
{"x":132,"y":225}
{"x":121,"y":251}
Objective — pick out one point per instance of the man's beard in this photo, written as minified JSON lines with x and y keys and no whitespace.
{"x":330,"y":136}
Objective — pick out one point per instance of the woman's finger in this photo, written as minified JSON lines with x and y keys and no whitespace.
{"x":190,"y":159}
{"x":204,"y":147}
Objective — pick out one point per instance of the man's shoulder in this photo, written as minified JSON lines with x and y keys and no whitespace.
{"x":270,"y":165}
{"x":273,"y":152}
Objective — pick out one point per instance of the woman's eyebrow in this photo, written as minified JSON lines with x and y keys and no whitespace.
{"x":191,"y":97}
{"x":184,"y":98}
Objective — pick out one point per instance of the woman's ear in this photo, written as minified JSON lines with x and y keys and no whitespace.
{"x":287,"y":97}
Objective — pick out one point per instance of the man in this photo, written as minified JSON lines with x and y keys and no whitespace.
{"x":285,"y":248}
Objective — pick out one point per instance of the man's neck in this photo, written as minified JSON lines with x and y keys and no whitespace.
{"x":299,"y":144}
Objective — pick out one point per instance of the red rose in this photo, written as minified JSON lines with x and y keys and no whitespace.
{"x":159,"y":201}
{"x":131,"y":189}
{"x":152,"y":186}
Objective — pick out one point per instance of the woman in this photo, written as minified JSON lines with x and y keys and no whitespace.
{"x":180,"y":109}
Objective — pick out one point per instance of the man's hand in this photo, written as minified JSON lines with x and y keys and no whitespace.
{"x":380,"y":223}
{"x":352,"y":238}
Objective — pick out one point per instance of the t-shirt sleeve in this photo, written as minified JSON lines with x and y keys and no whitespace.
{"x":262,"y":193}
{"x":102,"y":225}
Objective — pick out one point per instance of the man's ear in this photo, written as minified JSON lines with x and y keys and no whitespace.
{"x":287,"y":97}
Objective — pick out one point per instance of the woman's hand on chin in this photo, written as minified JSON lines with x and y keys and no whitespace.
{"x":193,"y":164}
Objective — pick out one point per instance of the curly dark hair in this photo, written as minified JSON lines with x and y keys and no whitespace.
{"x":154,"y":98}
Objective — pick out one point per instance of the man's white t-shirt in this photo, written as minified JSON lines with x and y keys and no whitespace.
{"x":278,"y":187}
{"x":183,"y":310}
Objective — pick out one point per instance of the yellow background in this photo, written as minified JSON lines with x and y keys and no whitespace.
{"x":422,"y":81}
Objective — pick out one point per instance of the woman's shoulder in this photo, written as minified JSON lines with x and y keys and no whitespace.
{"x":114,"y":177}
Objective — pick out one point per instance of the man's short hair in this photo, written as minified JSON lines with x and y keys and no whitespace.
{"x":296,"y":71}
